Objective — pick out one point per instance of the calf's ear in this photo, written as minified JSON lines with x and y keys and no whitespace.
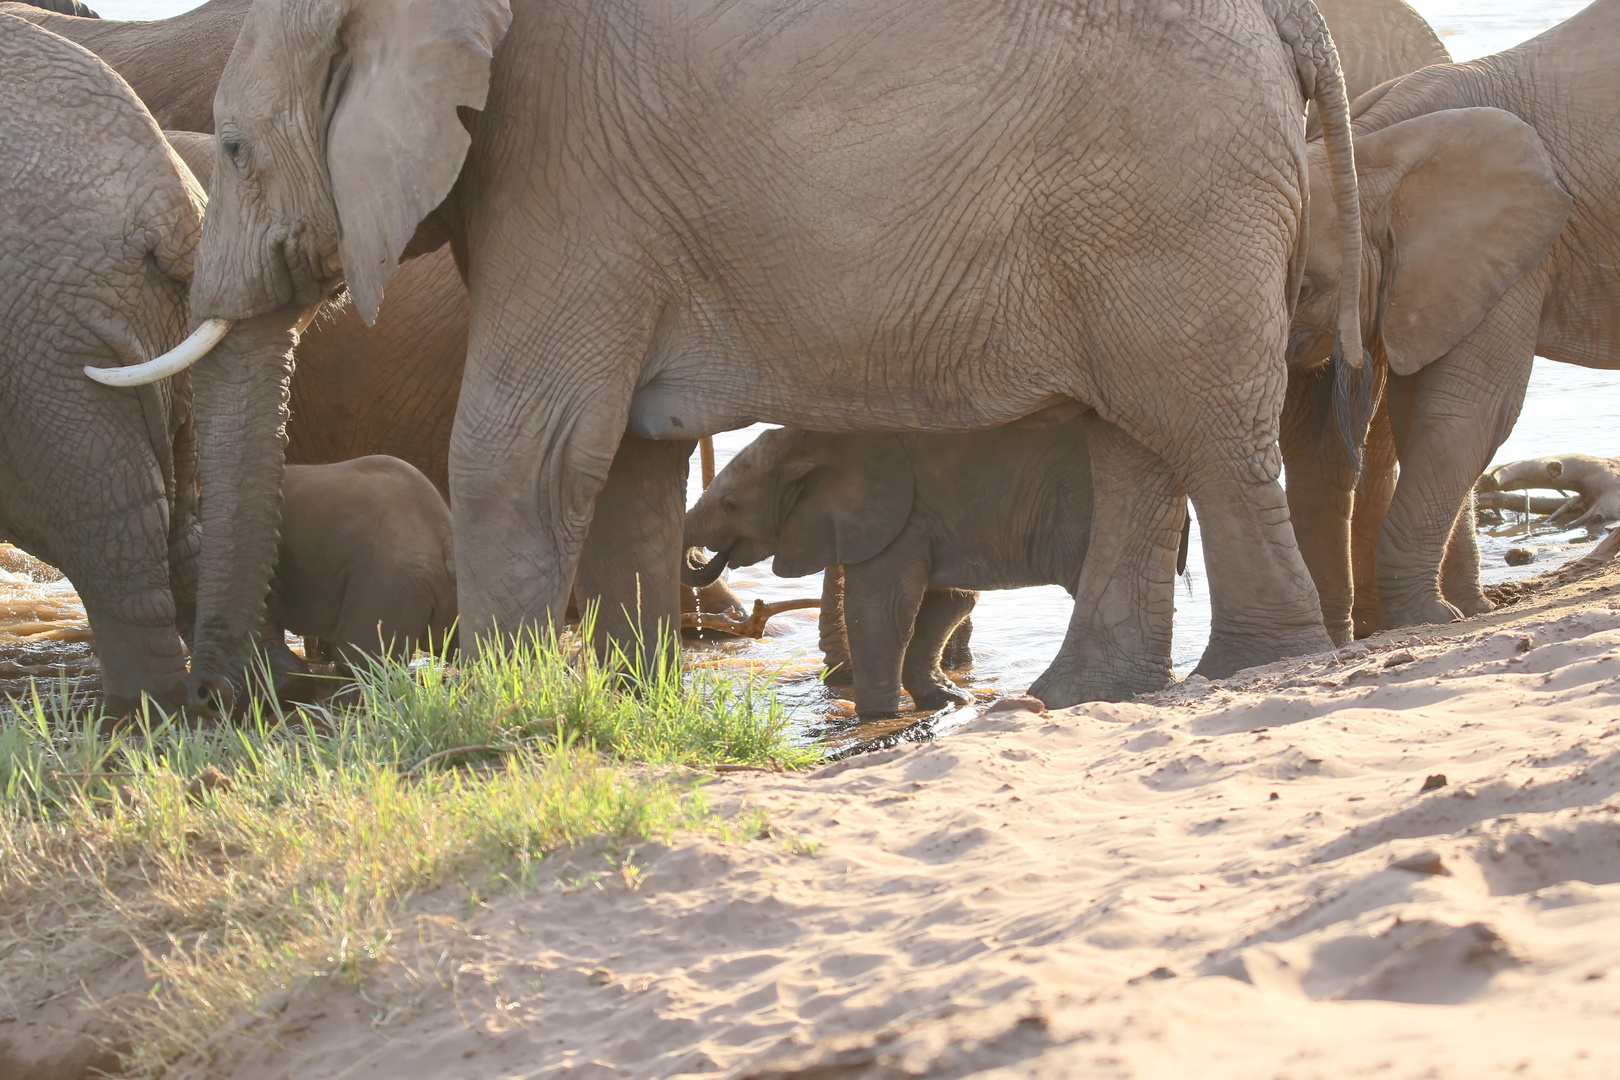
{"x":1475,"y":205}
{"x":850,"y":500}
{"x":395,"y":143}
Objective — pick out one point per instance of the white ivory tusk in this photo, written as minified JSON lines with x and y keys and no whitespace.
{"x":176,"y":360}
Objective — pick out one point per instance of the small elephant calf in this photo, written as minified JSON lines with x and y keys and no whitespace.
{"x":917,"y":521}
{"x":367,"y":563}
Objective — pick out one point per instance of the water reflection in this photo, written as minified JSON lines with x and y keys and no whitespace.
{"x":44,"y":634}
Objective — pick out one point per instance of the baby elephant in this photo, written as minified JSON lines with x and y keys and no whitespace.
{"x":367,"y":563}
{"x":917,"y":521}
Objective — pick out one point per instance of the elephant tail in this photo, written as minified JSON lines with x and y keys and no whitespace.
{"x":1303,"y":29}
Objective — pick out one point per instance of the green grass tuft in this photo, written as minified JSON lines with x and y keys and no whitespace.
{"x":240,"y":859}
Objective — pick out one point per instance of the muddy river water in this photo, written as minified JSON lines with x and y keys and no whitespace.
{"x":43,"y":633}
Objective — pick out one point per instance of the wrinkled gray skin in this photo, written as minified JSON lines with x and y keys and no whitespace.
{"x":98,"y":225}
{"x":173,"y":65}
{"x":918,"y":522}
{"x":1511,"y":257}
{"x":952,"y":223}
{"x":366,"y":561}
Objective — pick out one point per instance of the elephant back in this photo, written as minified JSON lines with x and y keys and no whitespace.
{"x":85,"y":162}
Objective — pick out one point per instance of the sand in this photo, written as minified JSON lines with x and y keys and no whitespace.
{"x":1235,"y":879}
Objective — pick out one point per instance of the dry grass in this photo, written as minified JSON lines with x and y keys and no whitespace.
{"x":239,"y":860}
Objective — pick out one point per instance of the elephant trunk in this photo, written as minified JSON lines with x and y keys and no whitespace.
{"x":241,"y":401}
{"x":698,"y":574}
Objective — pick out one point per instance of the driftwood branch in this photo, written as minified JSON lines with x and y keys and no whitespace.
{"x":1520,"y":503}
{"x":751,"y":626}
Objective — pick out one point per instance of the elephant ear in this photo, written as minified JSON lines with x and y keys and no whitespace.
{"x":1476,"y":204}
{"x":846,"y":498}
{"x":395,"y":143}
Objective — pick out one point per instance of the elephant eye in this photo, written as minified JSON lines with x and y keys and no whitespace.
{"x":729,"y":503}
{"x":233,"y":149}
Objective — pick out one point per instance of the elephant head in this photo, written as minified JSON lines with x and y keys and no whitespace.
{"x":810,"y":499}
{"x":337,"y":133}
{"x":1455,"y":207}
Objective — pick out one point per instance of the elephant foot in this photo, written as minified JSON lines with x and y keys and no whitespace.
{"x":1427,"y":609}
{"x":941,"y":696}
{"x":1225,"y":655}
{"x":1470,"y":605}
{"x":1064,"y":684}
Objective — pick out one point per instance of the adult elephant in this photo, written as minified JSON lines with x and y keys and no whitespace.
{"x":686,"y":218}
{"x":384,"y":389}
{"x":1514,"y":260}
{"x":1377,"y":40}
{"x":98,"y":222}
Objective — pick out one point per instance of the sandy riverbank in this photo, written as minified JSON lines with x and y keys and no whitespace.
{"x":1232,"y":879}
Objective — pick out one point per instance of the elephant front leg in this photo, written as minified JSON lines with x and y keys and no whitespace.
{"x":630,"y":566}
{"x":942,"y":611}
{"x":881,"y":600}
{"x":1118,"y":644}
{"x":121,"y":578}
{"x":834,"y":636}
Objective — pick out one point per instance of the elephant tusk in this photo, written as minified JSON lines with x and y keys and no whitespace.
{"x":176,"y":360}
{"x":697,"y":574}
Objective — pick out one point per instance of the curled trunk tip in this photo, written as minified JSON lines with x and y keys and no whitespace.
{"x":697,"y":574}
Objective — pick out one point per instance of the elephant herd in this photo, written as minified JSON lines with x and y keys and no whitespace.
{"x":1104,"y":245}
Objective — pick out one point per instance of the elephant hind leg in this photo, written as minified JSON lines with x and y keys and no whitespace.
{"x":1321,"y":479}
{"x":1373,"y":496}
{"x":941,"y":612}
{"x":959,"y":647}
{"x":630,"y":565}
{"x":1118,"y":643}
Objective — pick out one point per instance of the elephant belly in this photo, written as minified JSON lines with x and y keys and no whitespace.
{"x":675,"y":409}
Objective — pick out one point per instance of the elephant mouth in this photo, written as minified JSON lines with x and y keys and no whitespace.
{"x":696,"y":573}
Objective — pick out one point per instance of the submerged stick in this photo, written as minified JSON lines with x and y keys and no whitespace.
{"x":753,"y":626}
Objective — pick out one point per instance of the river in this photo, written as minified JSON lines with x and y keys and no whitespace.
{"x":1016,"y":632}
